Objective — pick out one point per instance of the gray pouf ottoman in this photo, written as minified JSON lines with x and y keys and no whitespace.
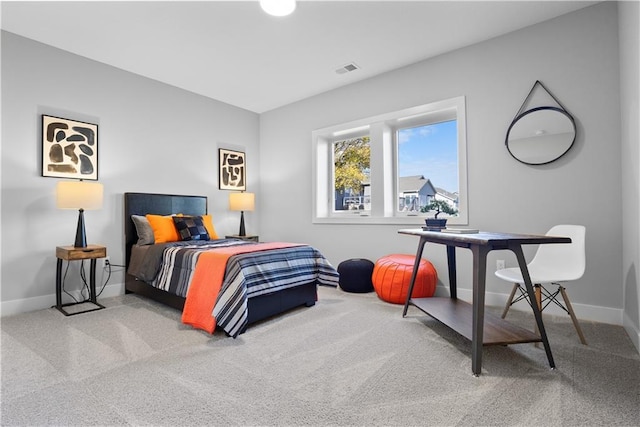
{"x":355,"y":275}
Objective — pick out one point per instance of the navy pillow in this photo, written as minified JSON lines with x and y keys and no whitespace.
{"x":190,"y":228}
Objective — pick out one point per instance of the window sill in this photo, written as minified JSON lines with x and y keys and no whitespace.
{"x":416,"y":221}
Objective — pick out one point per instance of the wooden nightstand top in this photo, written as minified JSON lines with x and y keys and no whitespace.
{"x":71,"y":253}
{"x":251,"y":237}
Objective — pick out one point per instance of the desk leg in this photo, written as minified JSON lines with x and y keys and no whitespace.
{"x":479,"y":281}
{"x":451,"y":262}
{"x":416,"y":266}
{"x":59,"y":284}
{"x":517,"y":250}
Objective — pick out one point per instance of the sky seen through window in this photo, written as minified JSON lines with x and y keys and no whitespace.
{"x":431,"y":151}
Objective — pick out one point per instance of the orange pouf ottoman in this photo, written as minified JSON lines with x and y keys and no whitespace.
{"x":392,"y":276}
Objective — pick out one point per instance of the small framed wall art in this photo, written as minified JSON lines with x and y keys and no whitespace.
{"x":69,"y":148}
{"x":232,"y":170}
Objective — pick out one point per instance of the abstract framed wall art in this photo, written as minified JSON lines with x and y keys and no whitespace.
{"x":69,"y":148}
{"x":232,"y":170}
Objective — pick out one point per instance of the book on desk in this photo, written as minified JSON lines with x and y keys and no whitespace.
{"x":453,"y":230}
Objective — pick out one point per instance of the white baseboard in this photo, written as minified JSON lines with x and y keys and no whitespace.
{"x":593,"y":313}
{"x":10,"y":308}
{"x":583,"y":312}
{"x":632,"y":331}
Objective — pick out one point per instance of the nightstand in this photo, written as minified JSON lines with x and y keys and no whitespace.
{"x":252,"y":238}
{"x":71,"y":253}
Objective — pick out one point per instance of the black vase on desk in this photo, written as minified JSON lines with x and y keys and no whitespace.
{"x":435,"y":224}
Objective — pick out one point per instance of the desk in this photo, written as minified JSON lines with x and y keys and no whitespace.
{"x":470,"y":320}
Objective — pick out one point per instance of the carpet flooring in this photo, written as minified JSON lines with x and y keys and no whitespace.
{"x":351,"y":360}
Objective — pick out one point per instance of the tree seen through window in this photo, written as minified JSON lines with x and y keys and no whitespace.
{"x":352,"y":161}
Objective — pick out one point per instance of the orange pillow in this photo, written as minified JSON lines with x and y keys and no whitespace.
{"x":164,"y":230}
{"x":208,"y":224}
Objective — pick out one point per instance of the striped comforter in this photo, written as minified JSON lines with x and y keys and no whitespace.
{"x":247,"y":275}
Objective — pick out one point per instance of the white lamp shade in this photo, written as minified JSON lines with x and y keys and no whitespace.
{"x":278,"y":7}
{"x":241,"y":201}
{"x":79,"y":195}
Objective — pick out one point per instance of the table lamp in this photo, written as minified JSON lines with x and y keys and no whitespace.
{"x":79,"y":195}
{"x":241,"y":202}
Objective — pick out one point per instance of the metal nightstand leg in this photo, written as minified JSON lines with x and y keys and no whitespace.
{"x":92,"y":291}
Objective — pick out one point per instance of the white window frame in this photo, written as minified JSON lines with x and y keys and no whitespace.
{"x":382,"y":130}
{"x":337,"y":137}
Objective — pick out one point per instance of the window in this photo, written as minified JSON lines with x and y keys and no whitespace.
{"x":388,"y":168}
{"x":427,"y":166}
{"x":351,"y":170}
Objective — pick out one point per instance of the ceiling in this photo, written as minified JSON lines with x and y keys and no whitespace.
{"x":233,"y":52}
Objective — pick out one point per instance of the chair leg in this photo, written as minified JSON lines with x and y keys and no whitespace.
{"x":573,"y":315}
{"x":538,"y":291}
{"x":510,"y":300}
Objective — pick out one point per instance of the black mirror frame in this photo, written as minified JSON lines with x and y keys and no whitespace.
{"x":520,"y":114}
{"x":533,"y":110}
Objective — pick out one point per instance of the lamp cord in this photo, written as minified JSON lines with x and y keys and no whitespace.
{"x":64,"y":279}
{"x":83,"y":277}
{"x":85,"y":285}
{"x":104,"y":285}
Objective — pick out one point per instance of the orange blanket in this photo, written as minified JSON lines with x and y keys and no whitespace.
{"x":207,"y":281}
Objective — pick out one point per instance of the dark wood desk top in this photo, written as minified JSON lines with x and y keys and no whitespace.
{"x":483,"y":238}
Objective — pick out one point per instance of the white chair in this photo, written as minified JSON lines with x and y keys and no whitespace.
{"x":551,"y":265}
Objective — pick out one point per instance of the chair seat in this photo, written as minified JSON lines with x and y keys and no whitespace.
{"x":510,"y":274}
{"x":538,"y":275}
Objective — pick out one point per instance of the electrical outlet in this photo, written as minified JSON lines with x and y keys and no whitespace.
{"x":500,"y":264}
{"x":107,"y":261}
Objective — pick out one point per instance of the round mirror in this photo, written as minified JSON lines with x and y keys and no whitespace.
{"x":541,"y":135}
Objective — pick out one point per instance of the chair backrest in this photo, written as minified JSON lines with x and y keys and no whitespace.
{"x":560,"y":262}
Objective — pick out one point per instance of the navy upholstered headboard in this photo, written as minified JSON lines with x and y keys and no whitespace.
{"x":158,"y":204}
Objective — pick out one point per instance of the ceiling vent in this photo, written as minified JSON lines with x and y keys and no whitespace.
{"x":347,"y":68}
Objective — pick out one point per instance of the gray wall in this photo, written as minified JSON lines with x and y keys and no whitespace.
{"x":629,"y":23}
{"x":575,"y":56}
{"x":152,"y":138}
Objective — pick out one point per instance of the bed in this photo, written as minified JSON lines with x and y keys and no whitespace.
{"x":258,"y":305}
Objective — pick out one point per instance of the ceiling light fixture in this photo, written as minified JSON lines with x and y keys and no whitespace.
{"x":278,"y":7}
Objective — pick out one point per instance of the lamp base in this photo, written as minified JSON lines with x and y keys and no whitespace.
{"x":242,"y":231}
{"x":81,"y":235}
